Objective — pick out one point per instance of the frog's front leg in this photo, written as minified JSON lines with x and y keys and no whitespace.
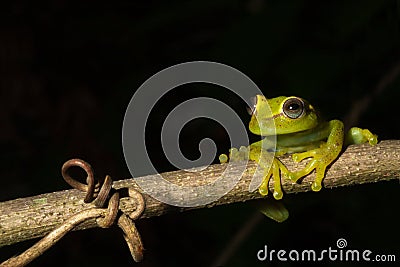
{"x":274,"y":168}
{"x":322,"y":157}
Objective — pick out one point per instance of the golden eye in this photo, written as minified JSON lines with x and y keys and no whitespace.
{"x":293,"y":108}
{"x":253,"y":103}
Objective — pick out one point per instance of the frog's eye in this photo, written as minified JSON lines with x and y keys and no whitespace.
{"x":293,"y":108}
{"x":253,"y":103}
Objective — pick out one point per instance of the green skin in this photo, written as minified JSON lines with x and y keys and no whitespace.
{"x":299,"y":131}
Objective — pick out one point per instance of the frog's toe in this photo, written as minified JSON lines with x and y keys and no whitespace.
{"x":234,"y":154}
{"x":278,"y":194}
{"x":293,"y":176}
{"x":316,"y":186}
{"x":319,"y":176}
{"x":223,"y":158}
{"x":243,"y":153}
{"x":263,"y":189}
{"x":239,"y":154}
{"x":373,"y":140}
{"x":278,"y":168}
{"x":297,"y":157}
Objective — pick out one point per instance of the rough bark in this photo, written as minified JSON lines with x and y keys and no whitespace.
{"x":32,"y":217}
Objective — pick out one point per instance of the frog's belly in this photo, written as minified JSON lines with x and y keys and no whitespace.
{"x":281,"y":150}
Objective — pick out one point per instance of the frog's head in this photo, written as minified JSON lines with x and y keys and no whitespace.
{"x":290,"y":114}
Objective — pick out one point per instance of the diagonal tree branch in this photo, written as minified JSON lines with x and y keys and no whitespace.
{"x":31,"y":217}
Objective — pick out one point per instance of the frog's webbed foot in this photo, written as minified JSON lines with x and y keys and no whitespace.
{"x":235,"y":155}
{"x":321,"y":158}
{"x":276,"y":170}
{"x":358,"y":136}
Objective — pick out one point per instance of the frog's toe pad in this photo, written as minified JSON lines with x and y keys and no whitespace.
{"x":278,"y":195}
{"x":263,"y":190}
{"x":316,"y":186}
{"x":373,"y":140}
{"x":223,"y":158}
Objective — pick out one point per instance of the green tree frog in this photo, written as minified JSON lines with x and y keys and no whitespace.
{"x":299,"y":131}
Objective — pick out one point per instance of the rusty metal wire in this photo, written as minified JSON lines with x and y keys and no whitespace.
{"x":106,"y":211}
{"x":89,"y":188}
